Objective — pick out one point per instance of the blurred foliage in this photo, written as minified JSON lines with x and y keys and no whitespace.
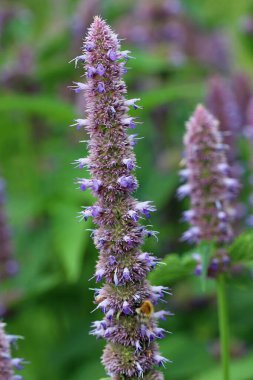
{"x":49,"y":302}
{"x":241,"y":250}
{"x":175,"y":268}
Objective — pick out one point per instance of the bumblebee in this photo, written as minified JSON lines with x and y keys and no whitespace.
{"x":145,"y":311}
{"x":99,"y":299}
{"x":149,"y":354}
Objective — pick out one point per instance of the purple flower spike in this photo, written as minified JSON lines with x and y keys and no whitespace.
{"x":96,"y":185}
{"x":129,"y":163}
{"x":125,"y":55}
{"x":82,"y":163}
{"x":100,"y":69}
{"x":91,"y":72}
{"x":126,"y":308}
{"x":162,"y":314}
{"x":126,"y":274}
{"x":7,"y":364}
{"x":208,"y":185}
{"x":111,"y":162}
{"x":132,"y":102}
{"x":101,"y":87}
{"x":133,"y":215}
{"x":93,"y":211}
{"x":145,"y":208}
{"x":90,"y":46}
{"x":112,"y":55}
{"x":99,"y":274}
{"x":133,"y":139}
{"x":198,"y":270}
{"x":127,"y":182}
{"x":221,"y":101}
{"x":115,"y":278}
{"x":84,"y":183}
{"x":129,"y":121}
{"x":160,"y":360}
{"x":110,"y":314}
{"x":79,"y":87}
{"x":79,"y":58}
{"x":112,"y":260}
{"x":18,"y":363}
{"x":79,"y":123}
{"x":8,"y":266}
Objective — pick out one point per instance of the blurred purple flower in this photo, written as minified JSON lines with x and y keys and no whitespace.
{"x":8,"y":266}
{"x":165,"y":26}
{"x":210,"y":188}
{"x":8,"y":365}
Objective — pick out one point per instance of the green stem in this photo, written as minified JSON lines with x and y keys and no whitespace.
{"x":223,"y":326}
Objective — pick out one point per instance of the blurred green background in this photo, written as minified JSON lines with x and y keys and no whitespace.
{"x":49,"y":301}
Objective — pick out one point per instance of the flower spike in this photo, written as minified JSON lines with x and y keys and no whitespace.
{"x":131,"y":352}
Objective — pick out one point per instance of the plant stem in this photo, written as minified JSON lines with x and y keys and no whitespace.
{"x":223,"y":326}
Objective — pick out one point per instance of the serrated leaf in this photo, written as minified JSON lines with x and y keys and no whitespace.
{"x":241,"y":251}
{"x":173,"y":268}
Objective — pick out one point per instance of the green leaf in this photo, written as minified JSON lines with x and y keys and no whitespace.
{"x":149,"y":64}
{"x":241,"y":251}
{"x":70,"y":238}
{"x":54,"y":110}
{"x":205,"y":249}
{"x":241,"y":369}
{"x":173,"y":268}
{"x":177,"y":347}
{"x":167,"y":185}
{"x":43,"y":285}
{"x":163,"y":95}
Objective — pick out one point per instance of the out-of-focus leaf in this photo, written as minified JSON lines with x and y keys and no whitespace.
{"x":240,"y":370}
{"x":91,"y":370}
{"x":241,"y":277}
{"x":43,"y":285}
{"x":167,"y":185}
{"x":148,"y":63}
{"x":189,"y":356}
{"x":173,"y":268}
{"x":69,"y":237}
{"x":52,"y":73}
{"x":151,"y":99}
{"x":241,"y":251}
{"x":51,"y":109}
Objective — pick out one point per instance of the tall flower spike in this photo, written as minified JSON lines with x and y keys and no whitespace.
{"x":209,"y":186}
{"x":221,"y":101}
{"x":248,"y":132}
{"x":8,"y":266}
{"x":8,"y":365}
{"x":129,"y":329}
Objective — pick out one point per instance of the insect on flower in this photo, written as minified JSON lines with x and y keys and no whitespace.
{"x":145,"y":311}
